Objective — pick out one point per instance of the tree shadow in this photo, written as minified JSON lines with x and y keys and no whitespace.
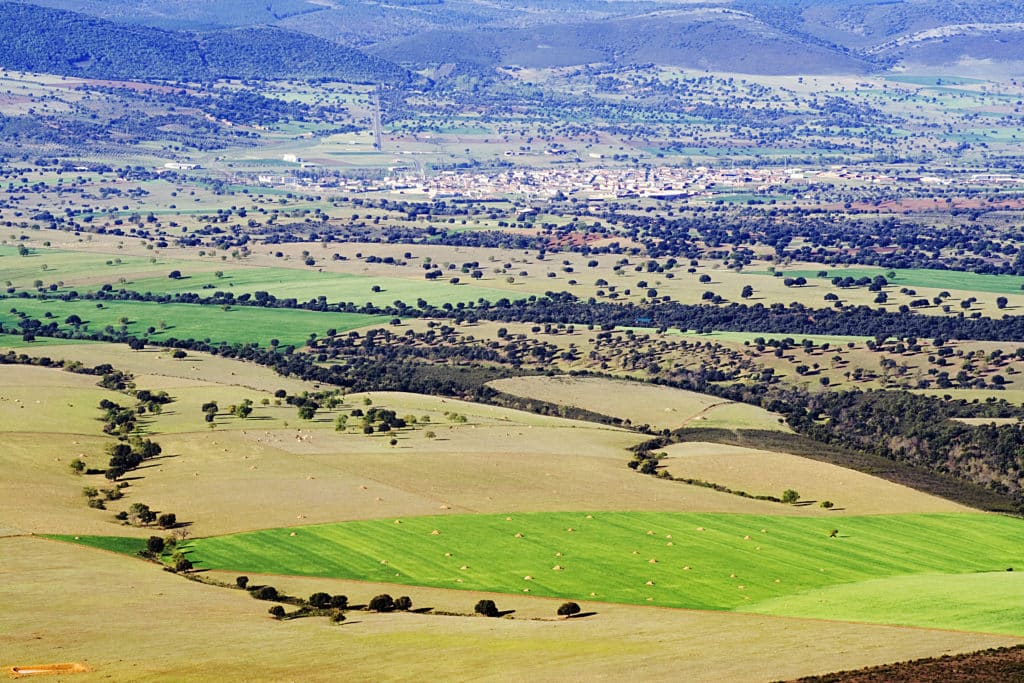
{"x":422,"y":610}
{"x":505,"y":612}
{"x":583,"y":615}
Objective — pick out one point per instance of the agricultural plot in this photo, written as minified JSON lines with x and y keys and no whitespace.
{"x":760,"y":472}
{"x":660,"y":407}
{"x":236,"y":324}
{"x":229,"y":633}
{"x":701,"y":561}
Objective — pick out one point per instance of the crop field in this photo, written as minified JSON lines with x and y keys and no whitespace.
{"x":699,"y":561}
{"x":920,"y":277}
{"x":760,"y":472}
{"x":237,"y":324}
{"x":304,"y":285}
{"x":228,"y":632}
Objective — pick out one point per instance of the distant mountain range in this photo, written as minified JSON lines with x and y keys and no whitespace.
{"x":747,"y":36}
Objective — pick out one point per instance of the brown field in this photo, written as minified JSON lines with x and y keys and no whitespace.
{"x":659,"y":407}
{"x":768,"y":473}
{"x":180,"y":630}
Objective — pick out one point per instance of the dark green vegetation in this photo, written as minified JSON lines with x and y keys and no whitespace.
{"x":703,"y":561}
{"x":117,"y":544}
{"x":72,"y":44}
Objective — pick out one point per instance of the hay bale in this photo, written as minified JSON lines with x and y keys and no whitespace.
{"x":746,"y":538}
{"x":527,"y":578}
{"x":557,"y":568}
{"x":383,"y":561}
{"x":650,"y":532}
{"x":464,"y":567}
{"x":292,"y":533}
{"x":447,"y":554}
{"x":570,"y":530}
{"x":398,"y":521}
{"x":435,"y":532}
{"x":518,"y":535}
{"x":686,"y":568}
{"x":652,"y":561}
{"x":590,"y":516}
{"x":649,"y":583}
{"x":670,"y":543}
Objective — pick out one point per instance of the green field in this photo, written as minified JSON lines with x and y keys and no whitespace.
{"x":953,"y":280}
{"x":304,"y":285}
{"x":701,"y":561}
{"x":117,"y":544}
{"x":239,"y":324}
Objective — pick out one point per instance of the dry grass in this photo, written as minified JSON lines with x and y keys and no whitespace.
{"x":769,"y":473}
{"x":187,"y":631}
{"x":659,"y":407}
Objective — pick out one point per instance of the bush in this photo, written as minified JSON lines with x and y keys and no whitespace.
{"x":276,"y":611}
{"x":381,"y":603}
{"x":320,"y":600}
{"x":337,"y":617}
{"x":97,"y":503}
{"x":568,"y":609}
{"x":265,"y":593}
{"x":486,"y":608}
{"x":827,"y":504}
{"x":167,"y":520}
{"x":403,"y":603}
{"x":790,"y":496}
{"x":183,"y":565}
{"x":339,"y":601}
{"x":242,"y":581}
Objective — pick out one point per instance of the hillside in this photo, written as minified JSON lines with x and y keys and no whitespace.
{"x":746,"y":36}
{"x":72,"y":44}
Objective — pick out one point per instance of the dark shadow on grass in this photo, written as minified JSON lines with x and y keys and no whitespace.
{"x":422,"y":610}
{"x":583,"y":615}
{"x":505,"y":612}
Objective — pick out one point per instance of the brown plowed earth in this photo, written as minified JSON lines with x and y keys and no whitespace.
{"x":987,"y":666}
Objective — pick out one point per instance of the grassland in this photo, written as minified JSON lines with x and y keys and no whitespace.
{"x":709,"y":562}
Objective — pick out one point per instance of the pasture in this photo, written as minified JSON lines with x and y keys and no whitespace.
{"x":696,"y":561}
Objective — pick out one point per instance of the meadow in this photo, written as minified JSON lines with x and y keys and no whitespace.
{"x":697,"y":561}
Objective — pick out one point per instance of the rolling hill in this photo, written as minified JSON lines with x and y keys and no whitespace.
{"x":74,"y":44}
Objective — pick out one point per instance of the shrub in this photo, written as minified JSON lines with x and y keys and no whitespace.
{"x":320,"y":600}
{"x":790,"y":496}
{"x":77,"y":466}
{"x":276,"y":611}
{"x":339,"y":601}
{"x":183,"y":565}
{"x":827,"y":504}
{"x":337,"y":617}
{"x":97,"y":503}
{"x":381,"y":603}
{"x":403,"y":603}
{"x":486,"y":608}
{"x":167,"y":520}
{"x":568,"y":609}
{"x":265,"y":593}
{"x":242,"y":581}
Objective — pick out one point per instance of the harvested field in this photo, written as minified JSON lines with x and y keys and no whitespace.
{"x":761,"y":472}
{"x":659,"y":407}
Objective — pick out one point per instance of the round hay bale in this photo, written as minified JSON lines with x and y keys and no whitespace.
{"x":700,"y":528}
{"x":650,"y":532}
{"x":590,"y":516}
{"x":435,"y":532}
{"x":527,"y":578}
{"x":447,"y":554}
{"x":292,"y":533}
{"x":464,"y":567}
{"x":398,"y":521}
{"x":518,"y":535}
{"x":508,"y":519}
{"x":649,"y":583}
{"x":670,"y":543}
{"x":557,"y":568}
{"x":383,"y":561}
{"x":686,"y":568}
{"x":746,"y":538}
{"x":652,"y":561}
{"x":593,"y":595}
{"x":526,"y":590}
{"x":558,"y":554}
